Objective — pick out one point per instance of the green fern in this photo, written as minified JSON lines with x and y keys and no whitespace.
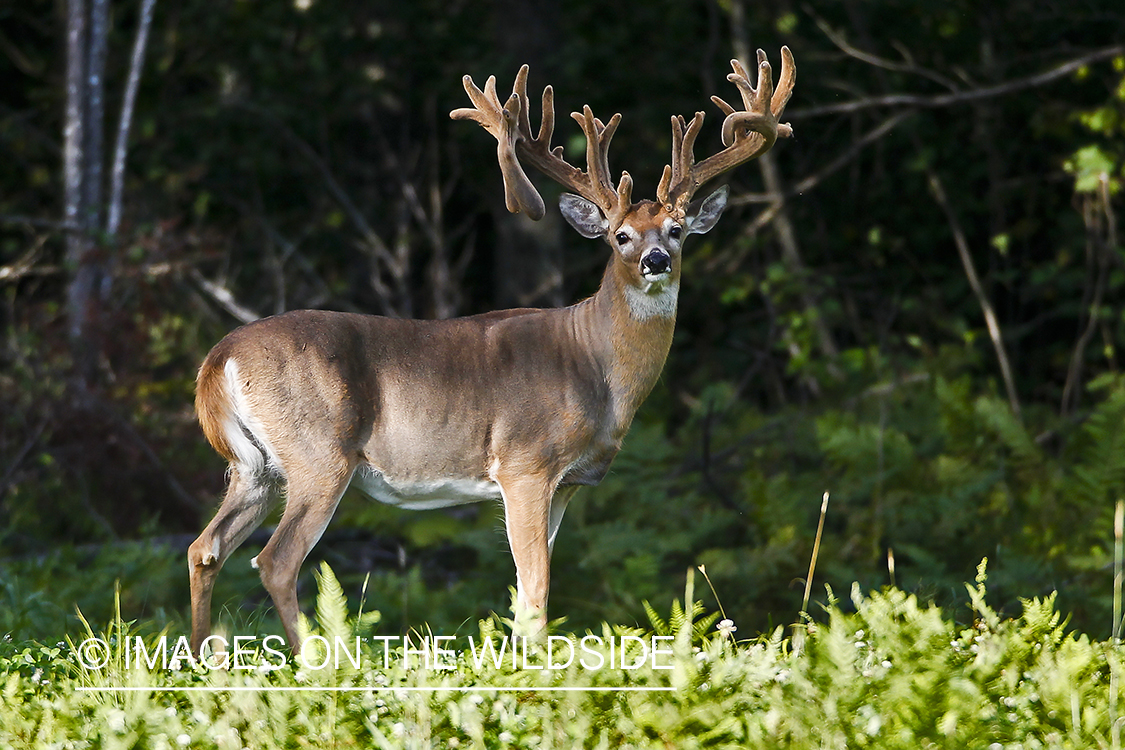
{"x":701,"y":620}
{"x":977,"y":593}
{"x":1101,"y":445}
{"x":331,"y":606}
{"x":999,"y":418}
{"x":659,"y":625}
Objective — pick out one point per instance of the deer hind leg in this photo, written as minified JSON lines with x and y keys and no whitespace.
{"x":527,"y":515}
{"x":248,"y":499}
{"x":313,"y":492}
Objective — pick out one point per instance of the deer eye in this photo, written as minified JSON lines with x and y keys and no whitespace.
{"x":675,"y":232}
{"x":622,"y":238}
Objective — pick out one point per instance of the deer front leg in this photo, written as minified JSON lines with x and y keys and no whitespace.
{"x":527,"y":507}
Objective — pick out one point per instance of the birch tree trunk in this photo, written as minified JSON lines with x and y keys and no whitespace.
{"x":90,"y":237}
{"x":87,"y":28}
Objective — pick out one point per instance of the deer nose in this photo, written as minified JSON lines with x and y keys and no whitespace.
{"x":656,"y":262}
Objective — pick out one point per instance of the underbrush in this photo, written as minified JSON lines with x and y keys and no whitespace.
{"x":881,"y":669}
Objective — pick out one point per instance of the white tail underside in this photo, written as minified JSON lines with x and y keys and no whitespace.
{"x":244,"y":432}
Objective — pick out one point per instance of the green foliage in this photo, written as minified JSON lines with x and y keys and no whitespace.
{"x":853,"y":360}
{"x":923,"y":466}
{"x":887,"y":671}
{"x":39,"y":596}
{"x":1104,"y":159}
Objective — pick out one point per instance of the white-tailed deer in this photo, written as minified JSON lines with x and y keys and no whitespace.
{"x":522,"y":406}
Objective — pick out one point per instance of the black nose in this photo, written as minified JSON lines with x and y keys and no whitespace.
{"x":656,"y":262}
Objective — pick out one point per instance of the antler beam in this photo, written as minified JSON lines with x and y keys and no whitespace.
{"x":511,"y":126}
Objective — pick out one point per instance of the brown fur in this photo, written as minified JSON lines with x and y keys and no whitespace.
{"x":212,"y":405}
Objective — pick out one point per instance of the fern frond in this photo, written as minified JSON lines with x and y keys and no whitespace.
{"x":1005,"y":425}
{"x":331,"y":605}
{"x":1101,"y":473}
{"x":659,"y":625}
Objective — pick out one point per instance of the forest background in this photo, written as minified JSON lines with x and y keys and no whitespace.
{"x":913,"y":305}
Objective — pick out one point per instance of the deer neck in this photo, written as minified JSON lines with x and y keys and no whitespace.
{"x":634,"y":334}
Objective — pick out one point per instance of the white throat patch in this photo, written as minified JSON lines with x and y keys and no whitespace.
{"x":646,"y":304}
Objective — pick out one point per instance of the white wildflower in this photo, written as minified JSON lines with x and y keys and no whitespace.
{"x":116,"y":720}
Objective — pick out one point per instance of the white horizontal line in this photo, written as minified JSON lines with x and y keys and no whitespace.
{"x":329,"y":689}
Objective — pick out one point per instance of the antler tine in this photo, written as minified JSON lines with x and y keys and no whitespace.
{"x":624,"y":193}
{"x":546,"y":108}
{"x":676,"y":175}
{"x":747,"y":134}
{"x":598,"y":138}
{"x":547,"y":124}
{"x":663,"y":189}
{"x":481,"y":104}
{"x":519,"y":92}
{"x":784,"y":89}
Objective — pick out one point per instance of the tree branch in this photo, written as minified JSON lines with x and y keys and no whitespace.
{"x":1100,"y":242}
{"x":875,"y":60}
{"x":843,"y":159}
{"x":944,"y":100}
{"x":31,"y":221}
{"x":224,"y":297}
{"x":342,"y":198}
{"x":978,"y":289}
{"x":808,"y":183}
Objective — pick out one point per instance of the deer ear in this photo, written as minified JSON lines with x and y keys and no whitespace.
{"x":703,"y":214}
{"x":586,"y":218}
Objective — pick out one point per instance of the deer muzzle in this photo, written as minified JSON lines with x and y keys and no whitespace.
{"x":655,"y":263}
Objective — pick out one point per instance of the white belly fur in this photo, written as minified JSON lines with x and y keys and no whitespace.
{"x":424,"y":495}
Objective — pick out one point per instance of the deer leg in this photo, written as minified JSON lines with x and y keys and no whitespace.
{"x":313,"y":493}
{"x":248,"y":499}
{"x":527,"y":510}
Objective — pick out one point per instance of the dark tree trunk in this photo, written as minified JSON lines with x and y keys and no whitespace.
{"x":529,"y":255}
